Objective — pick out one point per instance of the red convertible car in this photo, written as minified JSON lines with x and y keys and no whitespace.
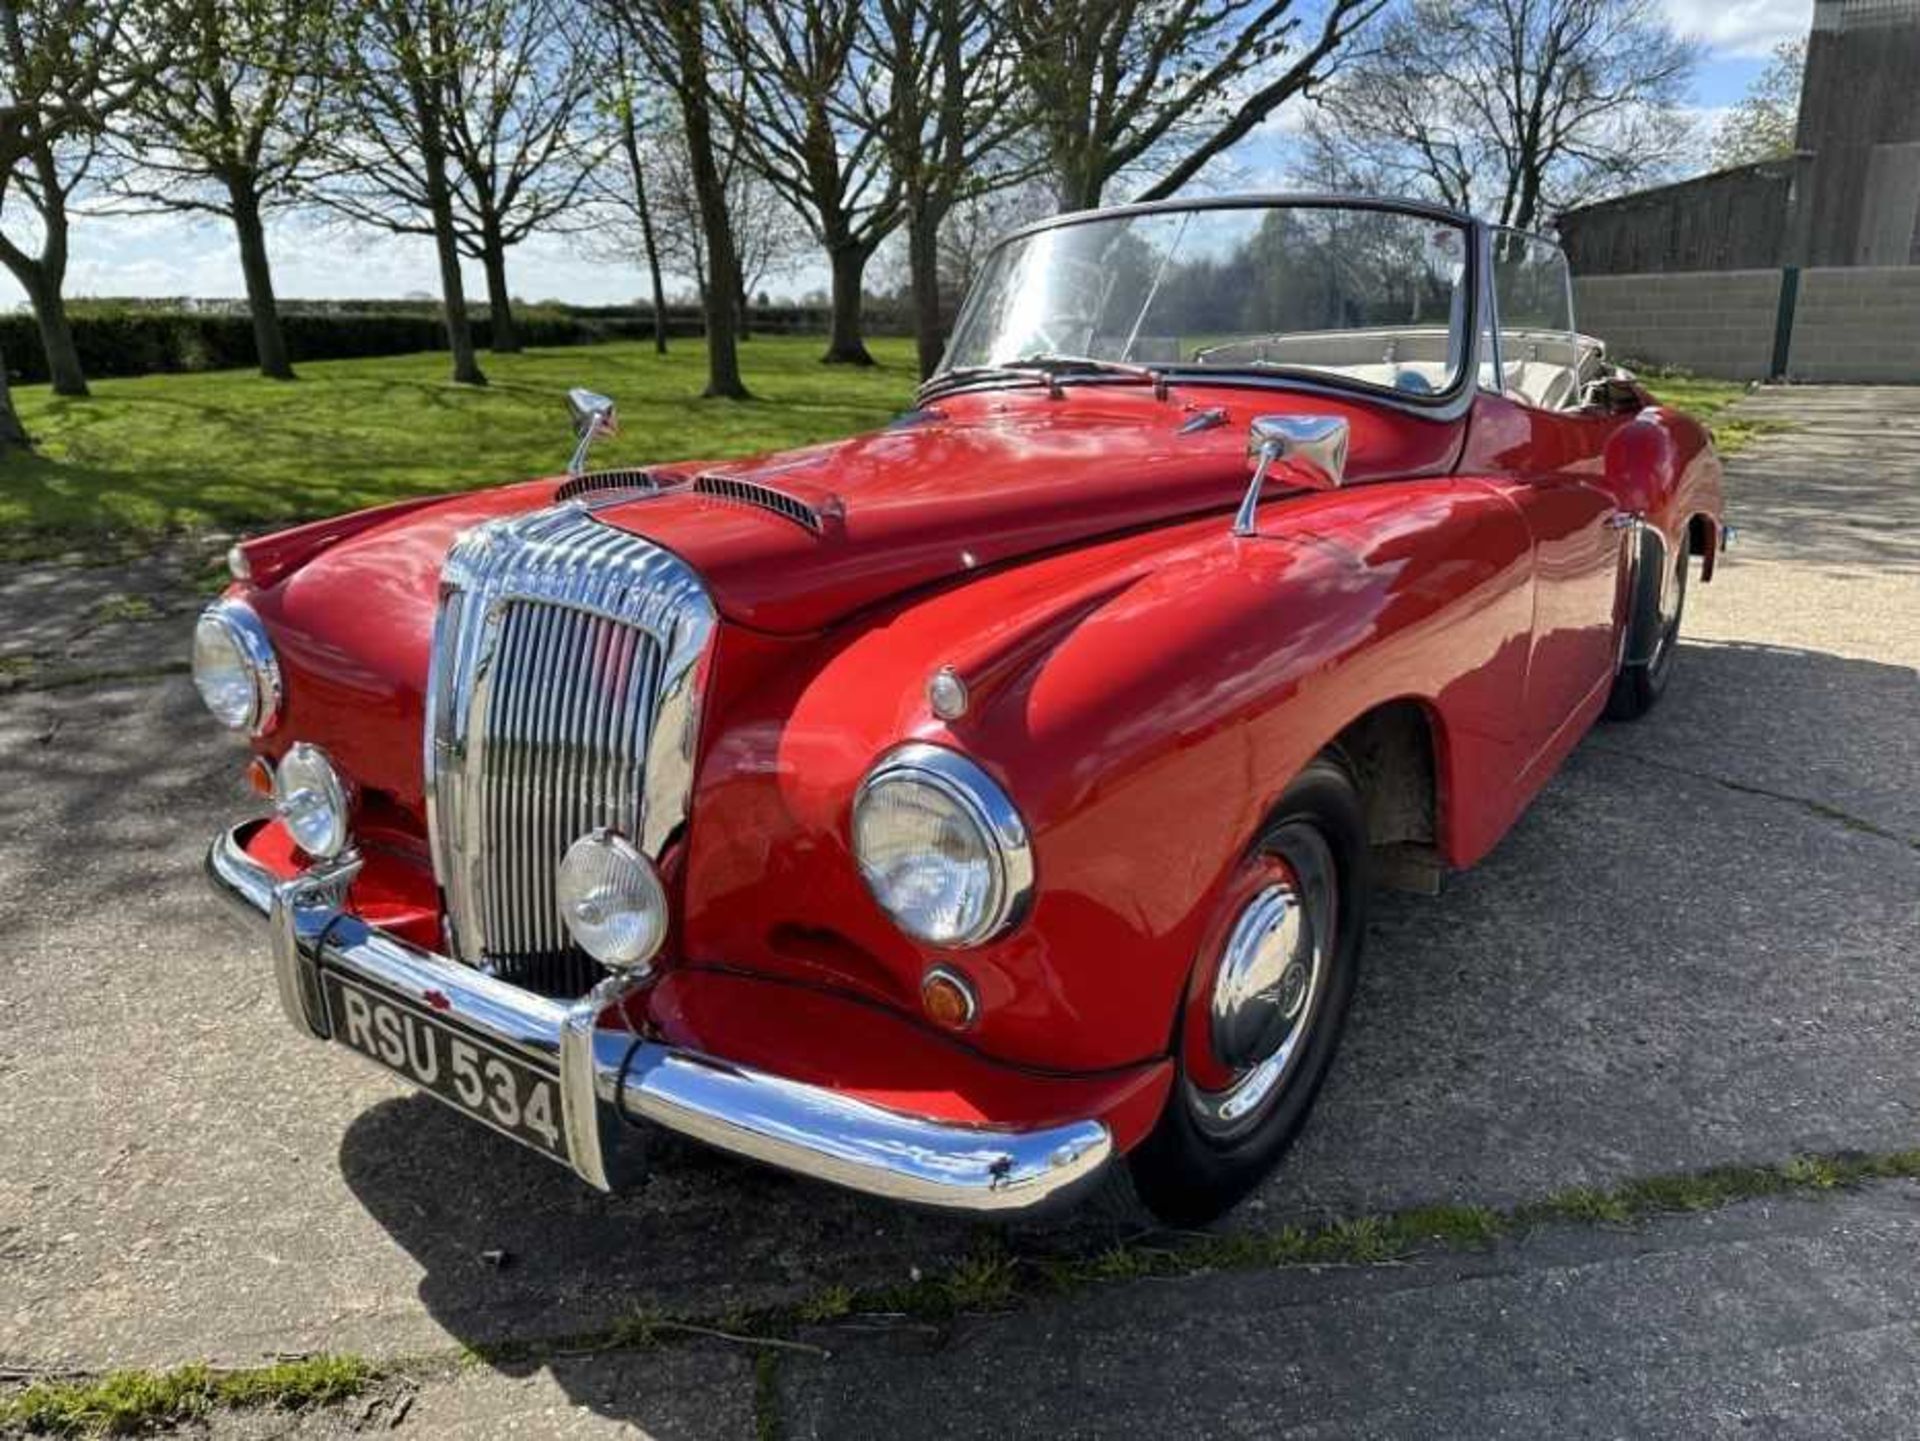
{"x":980,"y":808}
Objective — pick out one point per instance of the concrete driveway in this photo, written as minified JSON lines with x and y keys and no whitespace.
{"x":1698,"y":948}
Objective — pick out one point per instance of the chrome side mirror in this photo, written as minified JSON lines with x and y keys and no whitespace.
{"x":1317,"y":444}
{"x":593,"y":417}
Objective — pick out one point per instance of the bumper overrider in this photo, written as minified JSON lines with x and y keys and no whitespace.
{"x":612,"y":1083}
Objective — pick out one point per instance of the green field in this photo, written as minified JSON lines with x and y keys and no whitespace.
{"x":231,"y":451}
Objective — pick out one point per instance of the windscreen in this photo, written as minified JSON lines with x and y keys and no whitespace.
{"x":1368,"y":296}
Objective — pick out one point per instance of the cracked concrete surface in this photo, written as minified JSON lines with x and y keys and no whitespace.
{"x":1796,"y":1318}
{"x":70,"y":623}
{"x":1697,"y":947}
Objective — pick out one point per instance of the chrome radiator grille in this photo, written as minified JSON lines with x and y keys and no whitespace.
{"x":568,"y":659}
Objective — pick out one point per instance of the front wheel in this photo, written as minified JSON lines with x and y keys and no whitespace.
{"x":1266,"y":1005}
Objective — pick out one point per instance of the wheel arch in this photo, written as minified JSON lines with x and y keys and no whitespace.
{"x":1703,"y":540}
{"x":1392,"y":751}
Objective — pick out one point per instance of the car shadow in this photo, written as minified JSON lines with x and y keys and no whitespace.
{"x":1623,"y":988}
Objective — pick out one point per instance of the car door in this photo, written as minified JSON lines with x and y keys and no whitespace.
{"x":1555,"y":458}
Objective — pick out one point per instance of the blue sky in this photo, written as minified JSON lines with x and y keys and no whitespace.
{"x":168,"y":256}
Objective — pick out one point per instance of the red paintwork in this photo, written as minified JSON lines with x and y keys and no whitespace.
{"x":1144,"y":684}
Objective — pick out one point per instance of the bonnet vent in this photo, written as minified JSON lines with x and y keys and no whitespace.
{"x":604,"y":480}
{"x":764,"y":497}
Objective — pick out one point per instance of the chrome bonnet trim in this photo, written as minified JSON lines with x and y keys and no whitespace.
{"x":613,"y":1082}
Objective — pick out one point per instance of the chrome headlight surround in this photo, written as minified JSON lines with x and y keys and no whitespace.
{"x":971,"y":799}
{"x":231,"y":626}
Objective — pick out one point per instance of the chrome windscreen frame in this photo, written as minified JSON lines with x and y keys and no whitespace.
{"x":560,"y":556}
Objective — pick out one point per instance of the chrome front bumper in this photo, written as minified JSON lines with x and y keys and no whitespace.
{"x":611,"y":1080}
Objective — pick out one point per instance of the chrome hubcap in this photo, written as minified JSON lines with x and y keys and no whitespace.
{"x":1267,"y":990}
{"x":1263,"y":979}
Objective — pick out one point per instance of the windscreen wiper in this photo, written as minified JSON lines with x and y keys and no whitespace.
{"x":1050,"y":366}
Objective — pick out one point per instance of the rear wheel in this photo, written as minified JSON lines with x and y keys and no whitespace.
{"x":1266,"y":1006}
{"x":1640,"y":684}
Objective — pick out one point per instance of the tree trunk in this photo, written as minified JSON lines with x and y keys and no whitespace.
{"x":269,"y":340}
{"x":42,"y":276}
{"x":1077,"y":163}
{"x":744,"y":309}
{"x":13,"y":435}
{"x":453,"y":290}
{"x":844,"y":343}
{"x":723,"y":261}
{"x":923,"y":270}
{"x":493,"y":259}
{"x":630,"y":139}
{"x":56,"y":332}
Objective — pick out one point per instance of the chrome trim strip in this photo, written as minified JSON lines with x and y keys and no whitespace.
{"x":760,"y":496}
{"x":630,"y":483}
{"x":610,"y":1079}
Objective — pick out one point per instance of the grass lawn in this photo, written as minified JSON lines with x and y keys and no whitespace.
{"x":1705,"y":400}
{"x":229,"y":450}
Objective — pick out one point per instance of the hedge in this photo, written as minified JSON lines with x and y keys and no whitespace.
{"x":142,"y":342}
{"x":117,"y":338}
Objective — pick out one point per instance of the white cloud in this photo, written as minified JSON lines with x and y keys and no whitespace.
{"x":1741,"y":27}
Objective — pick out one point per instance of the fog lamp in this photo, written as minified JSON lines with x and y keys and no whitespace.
{"x":311,"y":801}
{"x":612,"y":900}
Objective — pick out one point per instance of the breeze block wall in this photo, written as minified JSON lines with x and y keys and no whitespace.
{"x":1857,"y":324}
{"x":1714,"y":323}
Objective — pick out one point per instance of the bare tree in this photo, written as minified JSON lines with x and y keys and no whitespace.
{"x":1511,"y":107}
{"x":769,"y":239}
{"x":1763,"y":125}
{"x":675,"y":38}
{"x":520,"y":135}
{"x":504,"y":92}
{"x":67,"y":70}
{"x":392,"y":164}
{"x":978,"y":222}
{"x":946,"y":129}
{"x":1118,"y":84}
{"x":235,"y":129}
{"x":625,"y":193}
{"x":802,"y":111}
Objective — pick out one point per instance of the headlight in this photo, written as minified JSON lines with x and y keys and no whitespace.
{"x":234,"y":667}
{"x":612,"y":901}
{"x":311,"y":801}
{"x":941,"y":847}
